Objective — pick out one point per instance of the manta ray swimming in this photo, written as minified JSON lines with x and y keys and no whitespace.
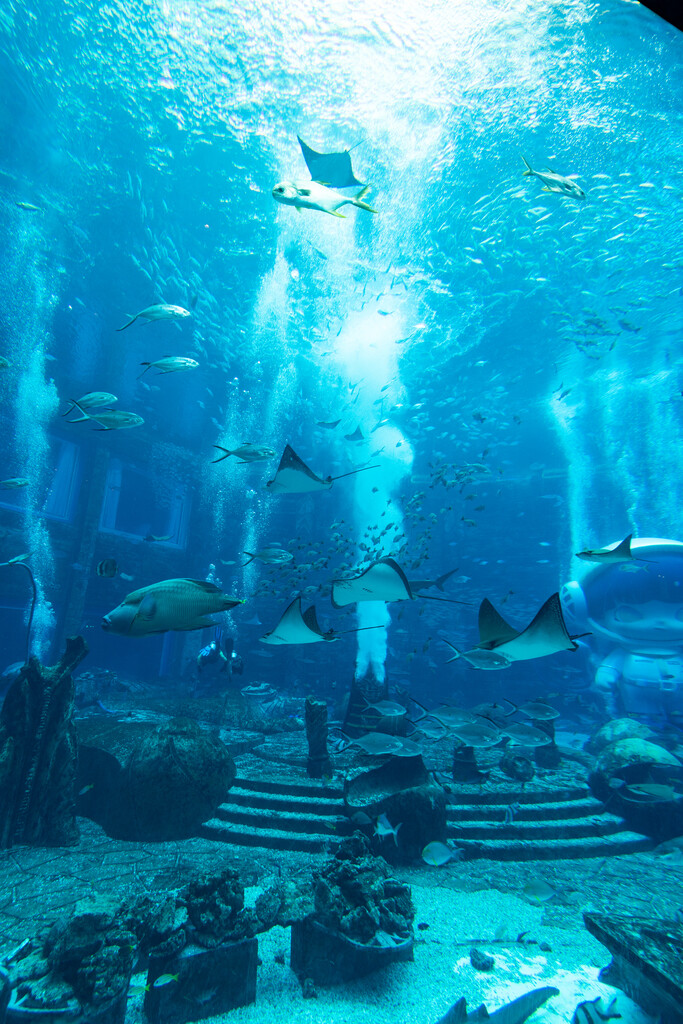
{"x":500,"y":644}
{"x":294,"y":477}
{"x":333,"y":169}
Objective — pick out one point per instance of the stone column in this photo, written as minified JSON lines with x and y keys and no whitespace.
{"x":319,"y":763}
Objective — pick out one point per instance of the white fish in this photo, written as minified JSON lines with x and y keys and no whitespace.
{"x":553,"y":182}
{"x":162,"y":311}
{"x":311,"y":195}
{"x":384,"y":828}
{"x":169,"y":364}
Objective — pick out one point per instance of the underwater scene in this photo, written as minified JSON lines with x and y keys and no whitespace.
{"x":341,"y":565}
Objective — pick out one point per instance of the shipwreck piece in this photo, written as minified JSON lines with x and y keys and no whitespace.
{"x":319,"y":763}
{"x":38,"y":753}
{"x":363,"y":919}
{"x":646,"y":962}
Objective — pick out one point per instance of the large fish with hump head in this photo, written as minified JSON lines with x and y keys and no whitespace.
{"x":169,"y":605}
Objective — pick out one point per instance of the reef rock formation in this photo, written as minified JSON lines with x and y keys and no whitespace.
{"x":38,"y":753}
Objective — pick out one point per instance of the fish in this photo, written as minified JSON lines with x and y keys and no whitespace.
{"x":269,"y":556}
{"x":416,"y":585}
{"x":19,"y":558}
{"x":162,"y":311}
{"x":384,"y":828}
{"x":649,"y":792}
{"x":93,"y":400}
{"x":592,"y":1011}
{"x":525,"y":735}
{"x":110,"y":419}
{"x":14,"y":483}
{"x":538,"y":711}
{"x":333,"y":168}
{"x":480,"y":659}
{"x":478,"y":735}
{"x":247,"y":452}
{"x":554,"y":182}
{"x":437,"y":854}
{"x":170,"y":364}
{"x":377,"y":744}
{"x":108,"y":568}
{"x":386,"y":708}
{"x":164,"y":979}
{"x":29,"y":207}
{"x":175,"y":604}
{"x":515,"y":1012}
{"x":4,"y":363}
{"x":312,"y":195}
{"x":537,"y":890}
{"x":612,"y":554}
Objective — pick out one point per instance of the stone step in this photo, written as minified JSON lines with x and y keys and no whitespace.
{"x":527,"y":812}
{"x":242,"y":797}
{"x":288,"y":788}
{"x":531,"y":831}
{"x":555,"y":849}
{"x":283,"y":821}
{"x":514,"y":796}
{"x":266,"y":838}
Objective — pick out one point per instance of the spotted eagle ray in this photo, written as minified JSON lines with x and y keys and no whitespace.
{"x":500,"y":643}
{"x":612,"y":554}
{"x":333,"y":169}
{"x":301,"y":627}
{"x":294,"y":477}
{"x":384,"y":580}
{"x":515,"y":1012}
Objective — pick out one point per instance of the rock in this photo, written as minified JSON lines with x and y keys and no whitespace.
{"x":215,"y":908}
{"x":517,"y":767}
{"x":175,"y":779}
{"x":481,"y":961}
{"x":308,"y":989}
{"x":38,"y":753}
{"x":617,"y":729}
{"x":632,"y":762}
{"x":405,"y":791}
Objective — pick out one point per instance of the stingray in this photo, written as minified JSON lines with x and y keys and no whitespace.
{"x":515,"y":1012}
{"x":383,"y":580}
{"x":328,"y":425}
{"x":301,"y":627}
{"x":612,"y":554}
{"x":333,"y":169}
{"x":294,"y":477}
{"x":357,"y":435}
{"x":545,"y":634}
{"x":297,"y":627}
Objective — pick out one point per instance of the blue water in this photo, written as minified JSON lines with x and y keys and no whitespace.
{"x":491,"y":324}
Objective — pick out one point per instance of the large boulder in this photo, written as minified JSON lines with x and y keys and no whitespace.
{"x":174,"y":780}
{"x":618,"y":729}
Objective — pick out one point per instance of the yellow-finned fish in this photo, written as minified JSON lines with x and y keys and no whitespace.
{"x":553,"y":182}
{"x":311,"y":195}
{"x":178,"y":604}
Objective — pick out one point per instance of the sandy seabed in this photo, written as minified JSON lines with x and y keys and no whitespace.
{"x":422,"y":992}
